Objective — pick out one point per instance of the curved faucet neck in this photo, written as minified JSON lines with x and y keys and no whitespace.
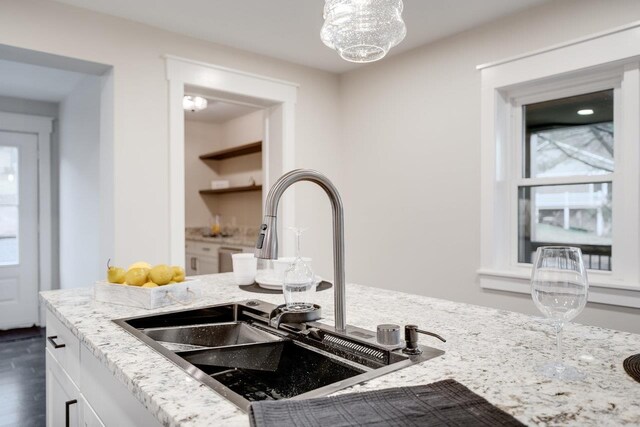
{"x":297,"y":175}
{"x":267,"y":245}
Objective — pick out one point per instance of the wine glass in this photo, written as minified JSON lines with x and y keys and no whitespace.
{"x":299,"y":281}
{"x":559,"y":287}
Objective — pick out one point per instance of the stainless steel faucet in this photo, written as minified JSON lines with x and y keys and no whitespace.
{"x":267,"y":245}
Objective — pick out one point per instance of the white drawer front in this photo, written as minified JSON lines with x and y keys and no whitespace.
{"x":62,"y":396}
{"x":206,"y":249}
{"x":64,"y":346}
{"x":88,"y":417}
{"x":202,"y":248}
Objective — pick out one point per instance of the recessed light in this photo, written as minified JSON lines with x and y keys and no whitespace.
{"x":194,"y":103}
{"x":585,"y":112}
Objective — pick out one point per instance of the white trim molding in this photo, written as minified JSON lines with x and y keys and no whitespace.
{"x":235,"y":86}
{"x":609,"y":60}
{"x":42,"y":127}
{"x":599,"y":292}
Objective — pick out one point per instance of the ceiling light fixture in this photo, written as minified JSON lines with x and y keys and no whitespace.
{"x":194,"y":103}
{"x":363,"y":30}
{"x":585,"y":112}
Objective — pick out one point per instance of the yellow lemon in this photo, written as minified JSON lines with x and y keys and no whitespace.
{"x":140,"y":264}
{"x":137,"y":276}
{"x":149,"y":285}
{"x":161,"y":274}
{"x":178,"y":274}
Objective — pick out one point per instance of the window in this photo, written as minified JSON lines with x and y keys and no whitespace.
{"x":570,"y":140}
{"x":8,"y":205}
{"x":560,"y":163}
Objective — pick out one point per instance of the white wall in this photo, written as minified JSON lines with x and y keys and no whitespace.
{"x":79,"y":186}
{"x":239,"y":131}
{"x":242,"y":130}
{"x":411,"y":128}
{"x":141,"y":113}
{"x":199,"y":138}
{"x":242,"y":209}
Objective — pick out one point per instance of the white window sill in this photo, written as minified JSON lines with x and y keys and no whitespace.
{"x":601,"y":290}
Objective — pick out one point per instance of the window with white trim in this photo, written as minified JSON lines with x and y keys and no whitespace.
{"x":560,"y":163}
{"x":565,"y":175}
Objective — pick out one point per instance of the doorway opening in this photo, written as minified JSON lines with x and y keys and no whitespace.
{"x":223,"y":179}
{"x":269,"y":100}
{"x":55,"y":178}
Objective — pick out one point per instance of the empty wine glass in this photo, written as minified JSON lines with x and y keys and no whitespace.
{"x":559,"y":287}
{"x":299,"y":281}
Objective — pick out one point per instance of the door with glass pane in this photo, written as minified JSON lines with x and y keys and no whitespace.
{"x":18,"y":229}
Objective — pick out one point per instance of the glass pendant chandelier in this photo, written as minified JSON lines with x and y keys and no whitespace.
{"x":194,"y":103}
{"x":362,"y":30}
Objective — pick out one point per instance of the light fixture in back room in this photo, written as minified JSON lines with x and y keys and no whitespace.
{"x":363,"y":30}
{"x":194,"y":103}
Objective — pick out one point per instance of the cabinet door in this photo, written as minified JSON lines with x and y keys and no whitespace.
{"x":88,"y":416}
{"x":62,"y":396}
{"x":207,"y":265}
{"x":191,"y":264}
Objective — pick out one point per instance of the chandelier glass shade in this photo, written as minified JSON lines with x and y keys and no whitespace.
{"x":363,"y":30}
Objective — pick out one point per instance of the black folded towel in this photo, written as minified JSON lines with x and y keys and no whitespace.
{"x":444,"y":403}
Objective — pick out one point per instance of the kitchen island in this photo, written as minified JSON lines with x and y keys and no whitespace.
{"x":492,"y":352}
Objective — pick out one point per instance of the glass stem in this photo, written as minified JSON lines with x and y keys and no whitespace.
{"x":559,"y":343}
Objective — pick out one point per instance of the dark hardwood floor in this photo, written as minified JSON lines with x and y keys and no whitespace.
{"x":22,"y":377}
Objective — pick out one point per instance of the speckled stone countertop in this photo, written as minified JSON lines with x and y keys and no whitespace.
{"x":238,"y":241}
{"x":240,"y":236}
{"x":490,"y":351}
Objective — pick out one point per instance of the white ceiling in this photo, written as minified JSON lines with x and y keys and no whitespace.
{"x":289,"y":29}
{"x":28,"y":81}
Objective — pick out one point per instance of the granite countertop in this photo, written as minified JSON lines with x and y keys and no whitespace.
{"x":490,"y":351}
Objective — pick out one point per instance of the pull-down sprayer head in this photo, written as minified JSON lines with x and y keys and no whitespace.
{"x":267,"y":244}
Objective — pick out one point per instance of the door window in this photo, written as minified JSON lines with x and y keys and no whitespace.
{"x":9,"y":205}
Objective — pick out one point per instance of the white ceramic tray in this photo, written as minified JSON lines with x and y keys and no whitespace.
{"x":183,"y":293}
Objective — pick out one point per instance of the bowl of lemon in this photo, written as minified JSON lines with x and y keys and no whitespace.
{"x":147,"y":286}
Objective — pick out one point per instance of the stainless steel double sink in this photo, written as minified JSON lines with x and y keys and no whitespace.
{"x":235,"y":349}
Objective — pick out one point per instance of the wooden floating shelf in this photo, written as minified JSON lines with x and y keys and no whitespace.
{"x":228,"y":153}
{"x":233,"y":190}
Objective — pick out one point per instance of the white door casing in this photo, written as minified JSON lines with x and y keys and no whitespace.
{"x":276,"y":96}
{"x":33,"y":134}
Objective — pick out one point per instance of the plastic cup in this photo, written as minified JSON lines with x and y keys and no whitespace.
{"x":245,"y":267}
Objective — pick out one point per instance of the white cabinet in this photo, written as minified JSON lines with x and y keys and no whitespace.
{"x":201,"y":258}
{"x":201,"y":264}
{"x":81,"y":391}
{"x":209,"y":258}
{"x":87,"y":415}
{"x":207,"y":265}
{"x":191,"y":264}
{"x":62,"y":395}
{"x":64,"y":347}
